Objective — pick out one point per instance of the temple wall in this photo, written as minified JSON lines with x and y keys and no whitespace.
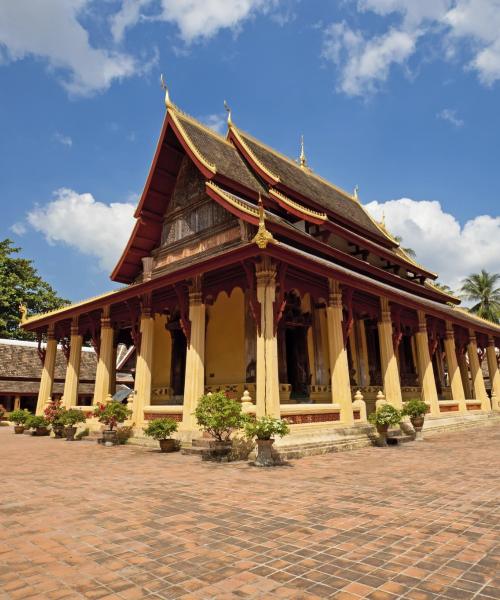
{"x":161,"y":353}
{"x":225,"y":340}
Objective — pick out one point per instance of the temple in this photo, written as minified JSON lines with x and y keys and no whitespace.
{"x":248,"y":272}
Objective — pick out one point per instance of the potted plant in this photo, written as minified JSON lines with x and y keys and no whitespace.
{"x":111,"y":414}
{"x":19,"y":417}
{"x":219,"y":416}
{"x":416,"y":409}
{"x":70,"y":418}
{"x":54,"y":412}
{"x":264,"y":429}
{"x":161,"y":430}
{"x":384,"y":417}
{"x":39,"y":424}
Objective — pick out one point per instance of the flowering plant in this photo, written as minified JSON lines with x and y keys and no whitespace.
{"x":111,"y":414}
{"x":54,"y":412}
{"x":265,"y":428}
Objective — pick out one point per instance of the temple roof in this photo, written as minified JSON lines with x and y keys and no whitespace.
{"x":311,"y":186}
{"x":219,"y":151}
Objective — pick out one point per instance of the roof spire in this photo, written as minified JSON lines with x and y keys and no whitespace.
{"x":228,"y":110}
{"x":382,"y":222}
{"x":263,"y":236}
{"x":356,"y":192}
{"x":302,"y":157}
{"x":168,"y":103}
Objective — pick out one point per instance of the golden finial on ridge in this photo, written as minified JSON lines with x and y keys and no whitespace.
{"x":168,"y":103}
{"x":356,"y":192}
{"x":24,"y":312}
{"x":302,"y":157}
{"x":228,"y":110}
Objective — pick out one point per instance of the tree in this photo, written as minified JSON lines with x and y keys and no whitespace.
{"x":443,"y":287}
{"x":20,"y":283}
{"x":411,"y":253}
{"x":482,"y":288}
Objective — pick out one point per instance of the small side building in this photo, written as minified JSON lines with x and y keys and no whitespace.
{"x":21,"y":364}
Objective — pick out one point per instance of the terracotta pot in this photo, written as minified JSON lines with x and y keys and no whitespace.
{"x":167,"y":445}
{"x":418,"y":423}
{"x":109,"y":437}
{"x":69,"y":432}
{"x":39,"y":431}
{"x":264,"y":453}
{"x":18,"y":428}
{"x":218,"y":451}
{"x":58,"y":431}
{"x":382,"y":434}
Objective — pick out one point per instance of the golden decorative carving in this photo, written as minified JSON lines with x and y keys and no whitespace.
{"x":239,"y":204}
{"x":263,"y":237}
{"x":228,"y":110}
{"x":302,"y":157}
{"x":24,"y":313}
{"x":303,"y":209}
{"x":168,"y":104}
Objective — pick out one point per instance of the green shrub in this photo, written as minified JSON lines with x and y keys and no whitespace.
{"x":415,"y":408}
{"x":265,"y":428}
{"x":19,"y":417}
{"x":123,"y":434}
{"x":385,"y":415}
{"x":112,"y":413}
{"x":35,"y":422}
{"x":161,"y":429}
{"x":72,"y":417}
{"x":219,"y":416}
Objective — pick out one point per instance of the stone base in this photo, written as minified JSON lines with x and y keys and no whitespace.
{"x":309,"y":441}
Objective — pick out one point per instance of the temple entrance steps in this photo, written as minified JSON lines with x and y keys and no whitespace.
{"x":197,"y":446}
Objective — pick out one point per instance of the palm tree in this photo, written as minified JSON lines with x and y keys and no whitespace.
{"x":443,"y":287}
{"x":411,"y":253}
{"x":482,"y":288}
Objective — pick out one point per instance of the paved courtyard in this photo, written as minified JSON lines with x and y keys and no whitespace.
{"x":81,"y":521}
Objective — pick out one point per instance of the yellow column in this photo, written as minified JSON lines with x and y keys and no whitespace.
{"x":339,"y":366}
{"x":494,"y":373}
{"x":464,"y":374}
{"x":47,"y":378}
{"x":364,"y":367}
{"x":104,"y":369}
{"x":477,"y":373}
{"x":267,"y":399}
{"x":388,"y":361}
{"x":454,"y":375}
{"x":425,"y":369}
{"x":354,"y":354}
{"x":70,"y":395}
{"x":194,"y":386}
{"x":143,"y":367}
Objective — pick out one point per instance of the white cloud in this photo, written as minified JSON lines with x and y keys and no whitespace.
{"x":471,"y":26}
{"x":51,"y":31}
{"x":450,"y":115}
{"x":195,"y":19}
{"x":216,"y":121}
{"x":91,"y":227}
{"x":18,"y":228}
{"x":365,"y":62}
{"x":441,"y":243}
{"x":65,"y":140}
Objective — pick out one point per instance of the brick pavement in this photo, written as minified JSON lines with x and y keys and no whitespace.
{"x":420,"y":521}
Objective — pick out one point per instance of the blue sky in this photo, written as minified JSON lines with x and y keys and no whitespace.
{"x":397,"y":96}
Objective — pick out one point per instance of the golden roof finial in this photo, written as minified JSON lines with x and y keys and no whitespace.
{"x":24,"y":312}
{"x":263,"y":236}
{"x":228,"y":110}
{"x":302,"y":157}
{"x":355,"y":192}
{"x":382,"y":222}
{"x":168,"y":103}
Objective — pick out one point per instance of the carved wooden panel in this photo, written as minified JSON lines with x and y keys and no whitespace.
{"x":191,"y":211}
